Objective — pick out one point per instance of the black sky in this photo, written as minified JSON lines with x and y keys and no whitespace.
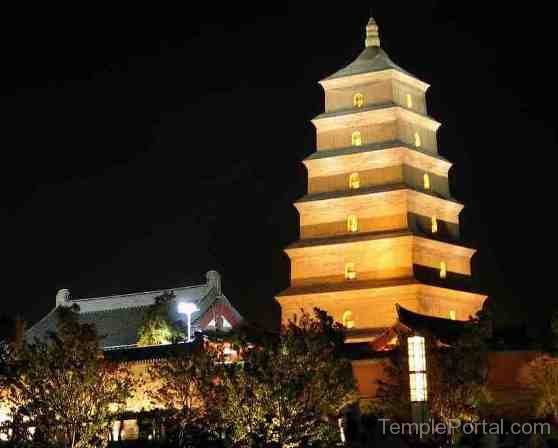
{"x":143,"y":147}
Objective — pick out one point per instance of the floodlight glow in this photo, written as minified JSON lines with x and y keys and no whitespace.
{"x":188,"y":308}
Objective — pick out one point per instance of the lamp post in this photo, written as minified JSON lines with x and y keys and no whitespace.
{"x":417,"y":377}
{"x":188,"y":308}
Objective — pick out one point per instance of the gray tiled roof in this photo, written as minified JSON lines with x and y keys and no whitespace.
{"x":370,"y":147}
{"x":372,"y":59}
{"x":118,"y":318}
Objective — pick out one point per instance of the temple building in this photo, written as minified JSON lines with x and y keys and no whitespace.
{"x":378,"y":226}
{"x":118,"y":318}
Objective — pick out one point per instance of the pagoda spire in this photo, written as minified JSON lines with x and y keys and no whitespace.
{"x":372,"y":34}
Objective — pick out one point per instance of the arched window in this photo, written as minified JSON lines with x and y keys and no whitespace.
{"x":418,"y":141}
{"x":409,"y":100}
{"x":358,"y":100}
{"x":352,"y":223}
{"x":434,"y":224}
{"x":452,"y":314}
{"x":350,"y":273}
{"x":347,"y":319}
{"x":426,"y":181}
{"x":443,"y":269}
{"x":356,"y":138}
{"x":354,"y":181}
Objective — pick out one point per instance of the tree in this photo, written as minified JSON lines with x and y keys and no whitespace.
{"x":157,"y":327}
{"x":12,"y":333}
{"x":543,"y":378}
{"x":456,"y":375}
{"x":292,"y":387}
{"x":554,"y":332}
{"x":187,"y":387}
{"x":65,"y":387}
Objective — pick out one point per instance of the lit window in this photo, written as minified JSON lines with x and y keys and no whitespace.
{"x":443,"y":269}
{"x":354,"y":181}
{"x":352,"y":223}
{"x":418,"y":141}
{"x":358,"y":100}
{"x":409,"y":100}
{"x":419,"y":388}
{"x":347,"y":319}
{"x":426,"y":181}
{"x":356,"y":138}
{"x":417,"y":368}
{"x":452,"y":314}
{"x":434,"y":224}
{"x":350,"y":273}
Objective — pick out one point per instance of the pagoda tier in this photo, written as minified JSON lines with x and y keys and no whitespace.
{"x":372,"y":303}
{"x":378,"y":225}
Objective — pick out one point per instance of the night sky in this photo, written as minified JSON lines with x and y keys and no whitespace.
{"x":143,"y":147}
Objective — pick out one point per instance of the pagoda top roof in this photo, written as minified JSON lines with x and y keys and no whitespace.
{"x":372,"y":59}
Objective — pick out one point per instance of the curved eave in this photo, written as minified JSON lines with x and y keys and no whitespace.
{"x":326,"y":288}
{"x":372,"y":114}
{"x":370,"y":107}
{"x":371,"y":190}
{"x":460,"y":247}
{"x":342,"y":239}
{"x":295,"y":293}
{"x":366,"y":77}
{"x":392,"y":144}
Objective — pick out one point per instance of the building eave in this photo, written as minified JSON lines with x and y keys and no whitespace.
{"x":365,"y":77}
{"x":403,"y":154}
{"x":382,"y":189}
{"x":373,"y":114}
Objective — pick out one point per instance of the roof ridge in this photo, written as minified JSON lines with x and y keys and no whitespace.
{"x":136,"y":293}
{"x":113,"y":309}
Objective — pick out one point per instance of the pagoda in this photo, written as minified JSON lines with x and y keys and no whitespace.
{"x":378,"y":226}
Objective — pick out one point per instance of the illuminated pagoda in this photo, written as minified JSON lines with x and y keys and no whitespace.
{"x":378,"y":226}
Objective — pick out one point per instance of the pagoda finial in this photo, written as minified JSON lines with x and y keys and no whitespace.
{"x":372,"y":34}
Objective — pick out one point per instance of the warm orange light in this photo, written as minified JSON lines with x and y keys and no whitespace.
{"x":358,"y":100}
{"x":452,"y":314}
{"x":443,"y":269}
{"x":356,"y":138}
{"x":354,"y":181}
{"x":350,"y":272}
{"x":409,"y":100}
{"x":418,"y":141}
{"x":352,"y":223}
{"x":434,"y":224}
{"x":347,"y":319}
{"x":426,"y":181}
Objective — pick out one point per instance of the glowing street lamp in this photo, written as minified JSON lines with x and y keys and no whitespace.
{"x":188,"y":308}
